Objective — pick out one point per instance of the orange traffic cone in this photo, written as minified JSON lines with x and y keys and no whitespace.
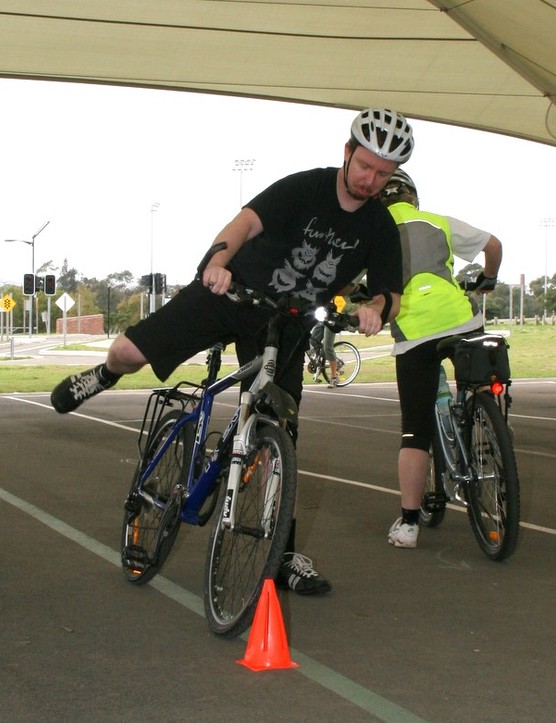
{"x":267,"y":647}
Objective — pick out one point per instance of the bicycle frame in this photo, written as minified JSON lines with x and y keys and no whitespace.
{"x":197,"y":490}
{"x":453,"y":440}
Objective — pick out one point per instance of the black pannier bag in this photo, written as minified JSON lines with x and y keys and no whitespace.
{"x":482,"y":359}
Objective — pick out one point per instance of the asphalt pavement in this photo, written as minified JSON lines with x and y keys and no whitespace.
{"x":439,"y":633}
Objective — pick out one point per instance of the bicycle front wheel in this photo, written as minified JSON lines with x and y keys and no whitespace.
{"x":240,"y":559}
{"x":493,"y":492}
{"x":348,"y":362}
{"x":149,"y":529}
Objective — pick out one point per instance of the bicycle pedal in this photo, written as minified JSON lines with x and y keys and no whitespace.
{"x":434,"y":501}
{"x":135,"y":558}
{"x":133,"y":504}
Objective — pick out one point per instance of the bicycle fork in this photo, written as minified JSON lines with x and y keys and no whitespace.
{"x":240,"y":473}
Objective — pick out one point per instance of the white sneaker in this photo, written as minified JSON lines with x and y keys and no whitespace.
{"x":403,"y":535}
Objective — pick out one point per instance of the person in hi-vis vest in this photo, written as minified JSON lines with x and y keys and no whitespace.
{"x":432,"y":307}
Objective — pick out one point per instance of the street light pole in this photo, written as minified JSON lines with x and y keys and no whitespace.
{"x":547,"y":223}
{"x":32,"y":245}
{"x":152,"y":298}
{"x":242,"y":165}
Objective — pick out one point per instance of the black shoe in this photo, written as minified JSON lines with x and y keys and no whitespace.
{"x":298,"y":574}
{"x":74,"y":390}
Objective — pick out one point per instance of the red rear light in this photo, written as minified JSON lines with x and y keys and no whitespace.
{"x":497,"y":388}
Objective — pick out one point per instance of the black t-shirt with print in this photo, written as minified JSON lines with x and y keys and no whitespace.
{"x":311,"y":247}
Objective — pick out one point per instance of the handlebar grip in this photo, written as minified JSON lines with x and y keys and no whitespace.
{"x":467,"y":285}
{"x":208,"y":256}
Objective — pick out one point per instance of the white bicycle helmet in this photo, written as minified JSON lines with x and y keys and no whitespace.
{"x":384,"y":132}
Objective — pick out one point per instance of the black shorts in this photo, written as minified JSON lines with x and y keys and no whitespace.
{"x":196,"y":319}
{"x":417,"y":373}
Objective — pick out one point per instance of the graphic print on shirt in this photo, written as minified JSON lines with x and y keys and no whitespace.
{"x":327,"y":269}
{"x":305,"y":273}
{"x":285,"y":279}
{"x":304,"y":256}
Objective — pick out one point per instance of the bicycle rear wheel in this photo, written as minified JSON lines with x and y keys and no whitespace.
{"x":149,"y":530}
{"x":493,"y":493}
{"x":240,"y":559}
{"x":348,"y":362}
{"x":433,"y":506}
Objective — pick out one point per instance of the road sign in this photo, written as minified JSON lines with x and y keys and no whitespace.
{"x":65,"y":302}
{"x":7,"y":303}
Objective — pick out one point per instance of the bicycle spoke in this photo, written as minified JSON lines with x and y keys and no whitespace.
{"x":493,"y":493}
{"x":241,"y":558}
{"x":151,"y":520}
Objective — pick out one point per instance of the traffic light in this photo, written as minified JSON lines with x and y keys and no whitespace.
{"x":29,"y":284}
{"x":160,"y":283}
{"x":50,"y":284}
{"x":147,"y":281}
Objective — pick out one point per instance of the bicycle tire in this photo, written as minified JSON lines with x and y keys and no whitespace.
{"x":493,"y":496}
{"x":433,"y":506}
{"x":149,"y":531}
{"x":348,"y":361}
{"x":239,"y":560}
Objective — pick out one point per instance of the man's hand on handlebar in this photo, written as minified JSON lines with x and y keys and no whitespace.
{"x":370,"y":321}
{"x":217,"y":279}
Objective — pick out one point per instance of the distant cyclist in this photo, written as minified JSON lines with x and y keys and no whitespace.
{"x":322,"y":335}
{"x":307,"y":234}
{"x":432,"y":307}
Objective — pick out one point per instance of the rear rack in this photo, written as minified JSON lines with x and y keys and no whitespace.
{"x":157,"y":405}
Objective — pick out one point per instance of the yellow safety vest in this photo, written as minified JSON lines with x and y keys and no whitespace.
{"x":432,"y":301}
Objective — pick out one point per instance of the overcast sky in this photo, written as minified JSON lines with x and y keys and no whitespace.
{"x":93,"y":160}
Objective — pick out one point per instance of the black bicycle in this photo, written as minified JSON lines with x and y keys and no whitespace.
{"x":348,"y":361}
{"x":472,"y":456}
{"x":247,"y":473}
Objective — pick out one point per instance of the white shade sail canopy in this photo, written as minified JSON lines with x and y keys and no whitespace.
{"x":483,"y":64}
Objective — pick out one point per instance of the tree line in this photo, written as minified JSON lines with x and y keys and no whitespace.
{"x":122,"y":299}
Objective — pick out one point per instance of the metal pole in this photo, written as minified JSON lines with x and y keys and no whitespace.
{"x":511,"y":306}
{"x":547,"y":223}
{"x":31,"y":300}
{"x":241,"y":165}
{"x":108,"y":315}
{"x":521,"y":300}
{"x":152,"y":298}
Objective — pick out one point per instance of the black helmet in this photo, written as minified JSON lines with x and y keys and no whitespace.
{"x":399,"y":183}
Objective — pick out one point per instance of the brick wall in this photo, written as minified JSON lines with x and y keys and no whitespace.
{"x":91,"y":324}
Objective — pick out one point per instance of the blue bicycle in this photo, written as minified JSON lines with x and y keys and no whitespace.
{"x":248,"y":473}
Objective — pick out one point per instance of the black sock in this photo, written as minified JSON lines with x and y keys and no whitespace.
{"x":107,"y":375}
{"x":290,"y":545}
{"x":410,"y":517}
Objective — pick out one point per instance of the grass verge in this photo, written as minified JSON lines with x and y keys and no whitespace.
{"x":532,"y":354}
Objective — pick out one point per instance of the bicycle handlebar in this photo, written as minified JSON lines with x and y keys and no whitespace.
{"x":467,"y":285}
{"x":291,"y":304}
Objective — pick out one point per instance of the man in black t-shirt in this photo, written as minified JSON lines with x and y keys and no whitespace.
{"x":310,"y":234}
